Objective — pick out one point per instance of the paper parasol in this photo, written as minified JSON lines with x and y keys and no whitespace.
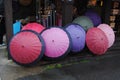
{"x":84,"y":21}
{"x":77,"y":34}
{"x":96,"y":41}
{"x":109,"y":33}
{"x":57,"y":43}
{"x":26,"y":48}
{"x":95,"y":18}
{"x":34,"y":26}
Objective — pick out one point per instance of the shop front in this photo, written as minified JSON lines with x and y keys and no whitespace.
{"x":59,"y":13}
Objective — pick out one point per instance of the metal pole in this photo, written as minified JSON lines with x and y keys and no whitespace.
{"x":106,"y":11}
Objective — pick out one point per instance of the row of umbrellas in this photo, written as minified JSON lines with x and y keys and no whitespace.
{"x":34,"y":41}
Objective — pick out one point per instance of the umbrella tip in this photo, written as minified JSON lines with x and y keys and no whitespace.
{"x":53,"y":41}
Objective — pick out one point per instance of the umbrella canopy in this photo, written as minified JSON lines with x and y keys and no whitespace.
{"x":109,"y":33}
{"x":26,"y":48}
{"x":96,"y":41}
{"x":95,"y":18}
{"x":34,"y":26}
{"x":57,"y":43}
{"x":84,"y":21}
{"x":77,"y":34}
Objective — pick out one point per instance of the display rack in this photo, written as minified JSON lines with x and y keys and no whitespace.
{"x":115,"y":15}
{"x":48,"y":14}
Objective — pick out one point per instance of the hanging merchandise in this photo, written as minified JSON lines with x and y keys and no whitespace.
{"x":109,"y":33}
{"x":96,"y":41}
{"x":84,"y":21}
{"x":26,"y":48}
{"x":57,"y":43}
{"x":77,"y":34}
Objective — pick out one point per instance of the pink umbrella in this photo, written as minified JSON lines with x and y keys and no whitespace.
{"x":109,"y":33}
{"x":26,"y":48}
{"x":96,"y":41}
{"x":33,"y":26}
{"x":57,"y":43}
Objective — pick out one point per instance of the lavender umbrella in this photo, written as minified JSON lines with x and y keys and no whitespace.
{"x":84,"y":21}
{"x":95,"y":18}
{"x":34,"y":26}
{"x":96,"y":41}
{"x":57,"y":43}
{"x":109,"y":33}
{"x":77,"y":34}
{"x":26,"y":48}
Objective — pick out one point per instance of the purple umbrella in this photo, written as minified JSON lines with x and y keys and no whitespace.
{"x":77,"y":34}
{"x":96,"y":19}
{"x":57,"y":42}
{"x":109,"y":33}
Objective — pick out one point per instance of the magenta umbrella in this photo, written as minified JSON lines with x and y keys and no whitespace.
{"x":57,"y":42}
{"x":34,"y":26}
{"x":26,"y":48}
{"x":109,"y":33}
{"x":96,"y":41}
{"x":77,"y":34}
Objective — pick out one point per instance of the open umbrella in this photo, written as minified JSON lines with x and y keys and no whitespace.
{"x":34,"y":26}
{"x":84,"y":21}
{"x":26,"y":48}
{"x":96,"y":41}
{"x":57,"y":43}
{"x":109,"y":33}
{"x":77,"y":34}
{"x":95,"y":18}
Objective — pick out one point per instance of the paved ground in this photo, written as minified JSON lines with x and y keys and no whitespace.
{"x":106,"y":67}
{"x":11,"y":71}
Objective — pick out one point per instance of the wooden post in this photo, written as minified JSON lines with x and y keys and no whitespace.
{"x":67,"y":12}
{"x":8,"y":21}
{"x":106,"y":11}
